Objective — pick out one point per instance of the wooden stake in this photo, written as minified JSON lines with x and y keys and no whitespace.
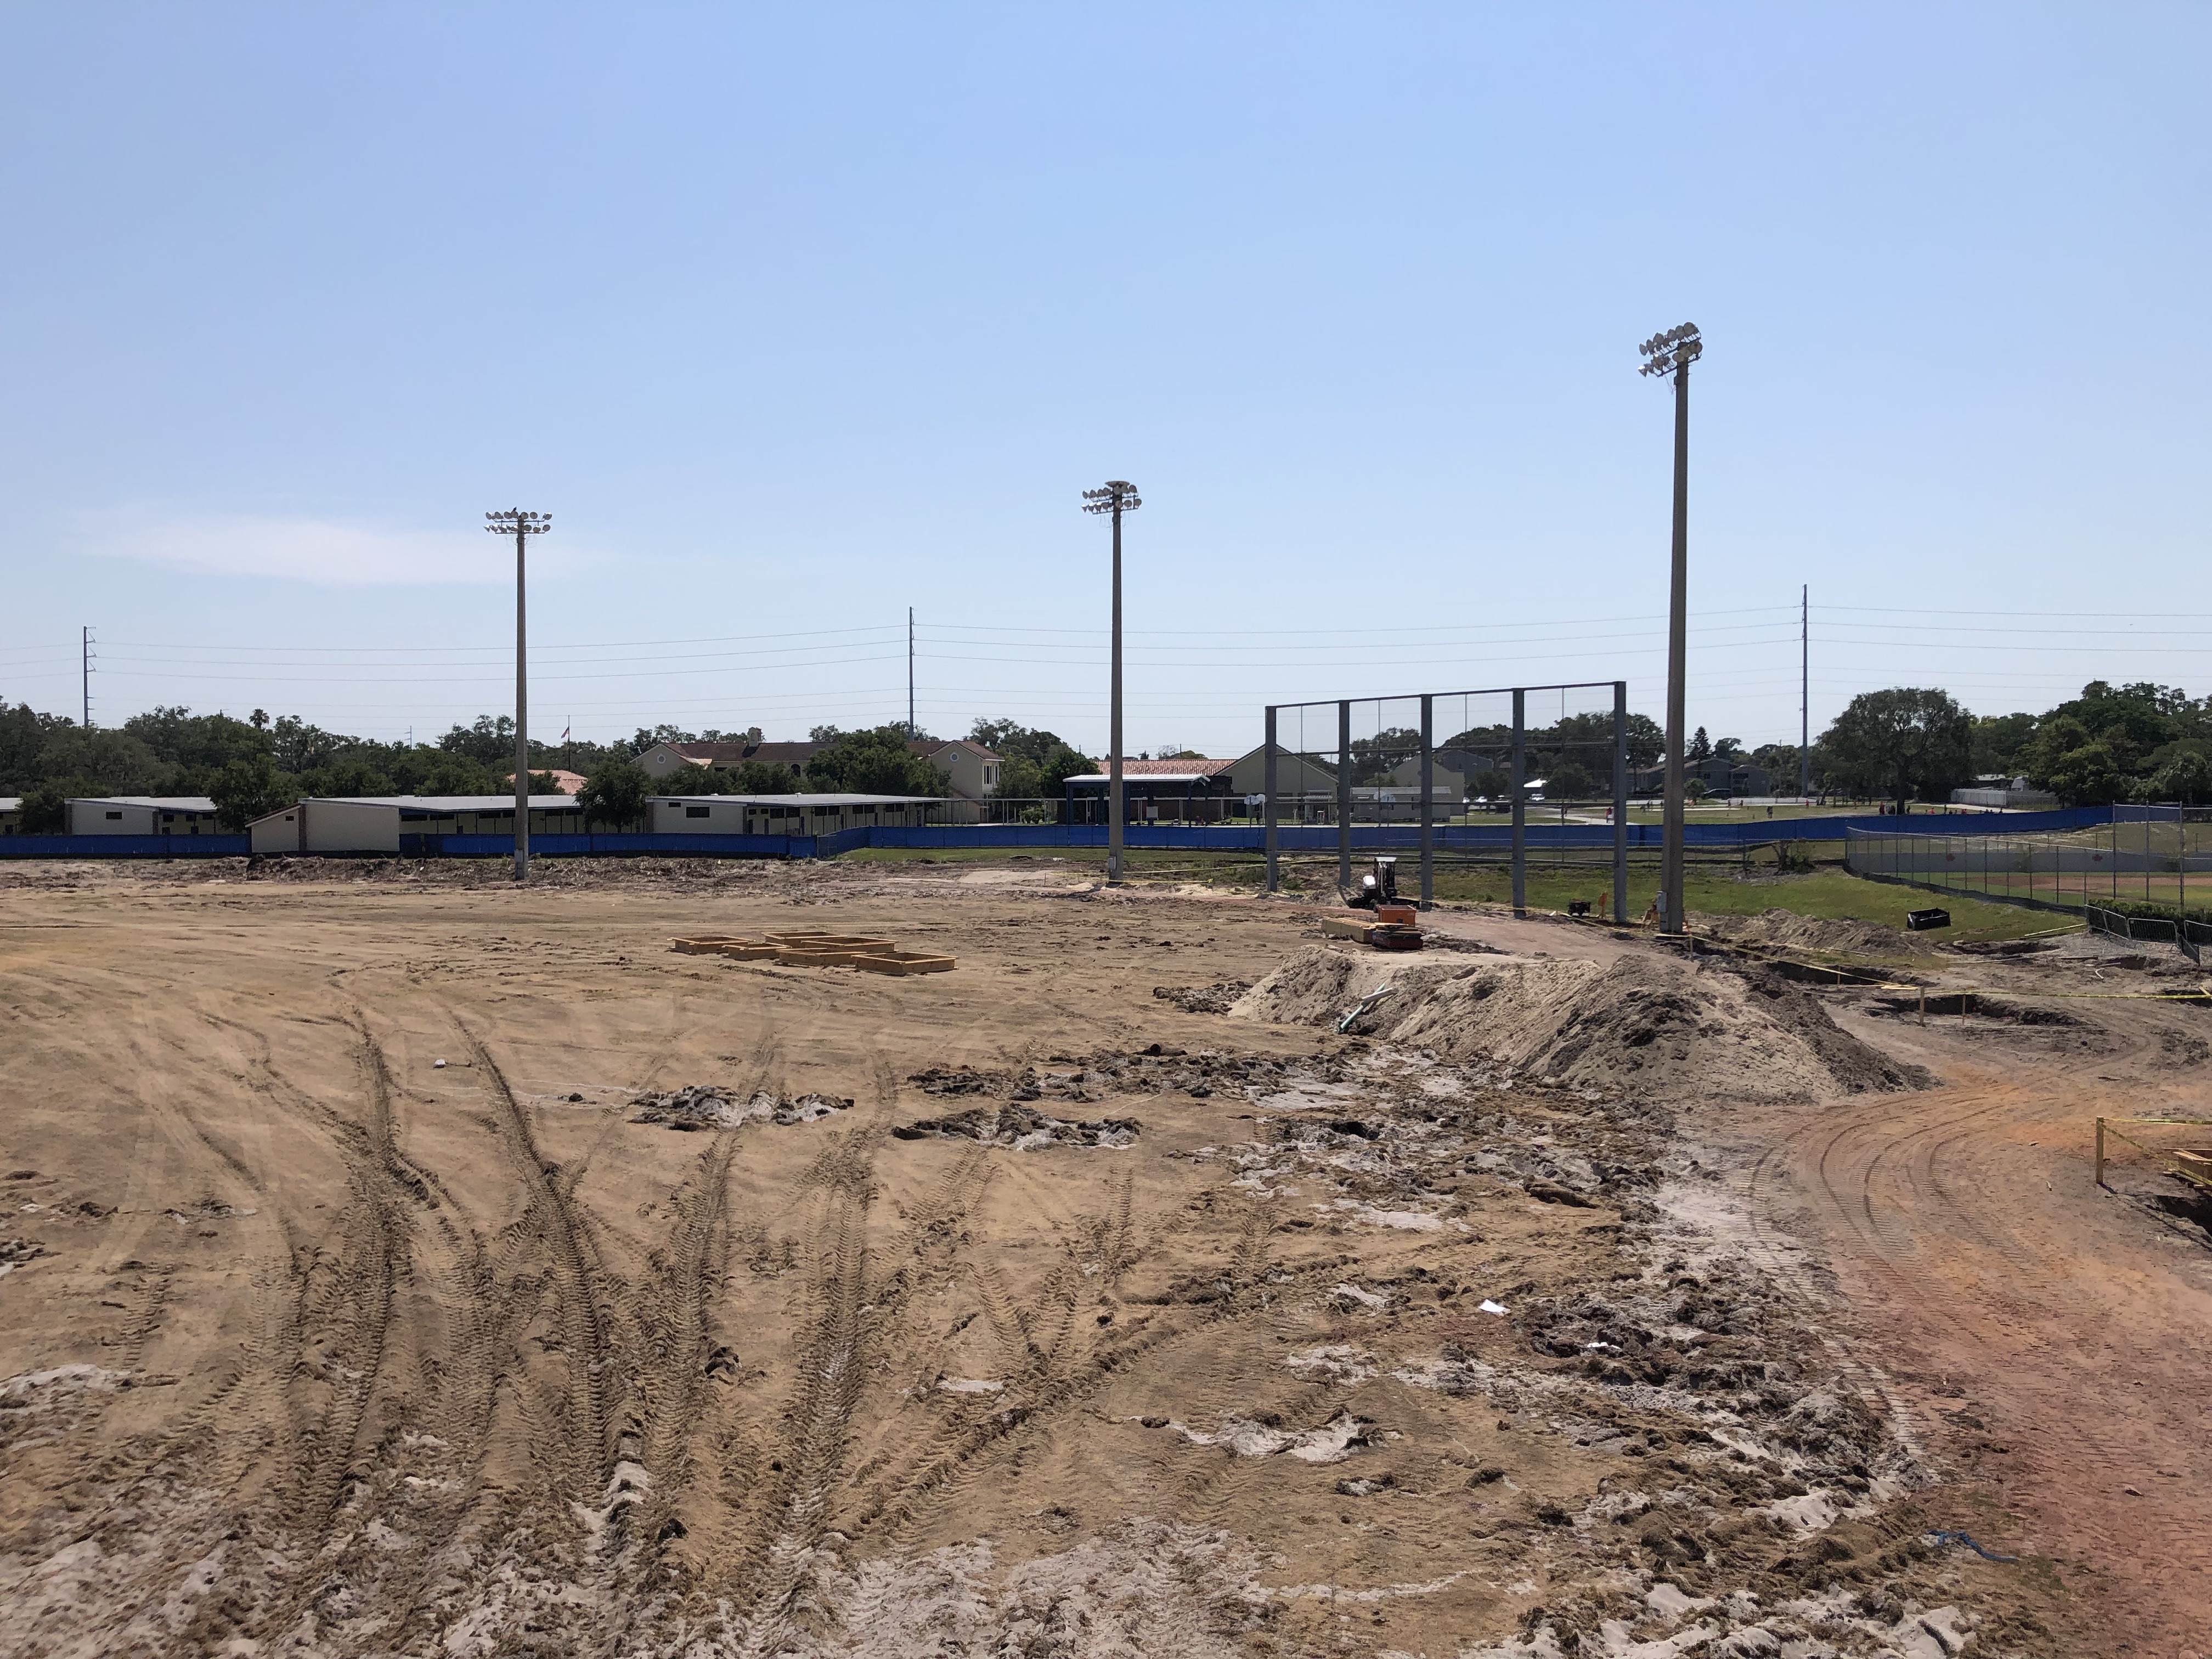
{"x":2100,"y":1151}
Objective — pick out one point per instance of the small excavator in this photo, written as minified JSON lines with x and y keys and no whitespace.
{"x":1394,"y":928}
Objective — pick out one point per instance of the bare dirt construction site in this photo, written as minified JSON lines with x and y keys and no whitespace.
{"x":395,"y":1263}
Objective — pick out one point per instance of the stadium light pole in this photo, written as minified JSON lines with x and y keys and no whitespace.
{"x":1116,"y":497}
{"x":522,"y":526}
{"x":1671,"y":354}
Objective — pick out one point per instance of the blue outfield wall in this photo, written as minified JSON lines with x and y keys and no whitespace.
{"x":1406,"y":837}
{"x":1188,"y":837}
{"x":125,"y":847}
{"x":621,"y":845}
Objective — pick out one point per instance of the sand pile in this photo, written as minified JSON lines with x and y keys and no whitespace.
{"x":1664,"y":1029}
{"x":1788,"y":929}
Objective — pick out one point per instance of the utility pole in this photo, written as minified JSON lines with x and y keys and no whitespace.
{"x":1805,"y":691}
{"x":86,"y":663}
{"x":910,"y":728}
{"x":522,"y":526}
{"x":1116,"y":497}
{"x":1672,"y":353}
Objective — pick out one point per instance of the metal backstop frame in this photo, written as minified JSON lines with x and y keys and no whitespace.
{"x":1516,"y":770}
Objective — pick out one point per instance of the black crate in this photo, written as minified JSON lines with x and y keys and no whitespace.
{"x":1919,"y":921}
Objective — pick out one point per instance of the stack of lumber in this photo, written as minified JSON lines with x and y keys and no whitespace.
{"x":1368,"y":930}
{"x":869,"y":954}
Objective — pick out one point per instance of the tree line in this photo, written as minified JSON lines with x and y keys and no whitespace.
{"x":2138,"y":742}
{"x":258,"y":764}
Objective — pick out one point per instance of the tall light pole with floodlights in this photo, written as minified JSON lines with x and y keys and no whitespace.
{"x":522,"y":526}
{"x":1671,"y":354}
{"x":1116,"y":497}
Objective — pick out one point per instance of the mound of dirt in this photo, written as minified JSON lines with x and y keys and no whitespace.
{"x":1021,"y":1127}
{"x":703,"y":1106}
{"x":1787,"y":927}
{"x":1666,"y":1030}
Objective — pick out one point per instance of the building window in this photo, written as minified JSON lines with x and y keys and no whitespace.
{"x":115,"y":817}
{"x":697,"y":812}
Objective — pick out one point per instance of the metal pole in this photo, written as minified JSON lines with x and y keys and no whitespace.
{"x":1268,"y":782}
{"x":1805,"y":691}
{"x":1621,"y":800}
{"x":1670,"y":852}
{"x":1344,"y":794}
{"x":1428,"y":803}
{"x":1113,"y":806}
{"x":1520,"y":767}
{"x":911,"y":730}
{"x":521,"y":719}
{"x":86,"y":663}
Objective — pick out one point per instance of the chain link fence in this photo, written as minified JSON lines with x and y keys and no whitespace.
{"x":1412,"y":772}
{"x":2146,"y":875}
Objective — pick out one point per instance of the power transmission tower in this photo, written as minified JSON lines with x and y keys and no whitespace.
{"x":1117,"y":497}
{"x":522,"y":526}
{"x":87,"y":670}
{"x":1672,"y":354}
{"x":1805,"y":691}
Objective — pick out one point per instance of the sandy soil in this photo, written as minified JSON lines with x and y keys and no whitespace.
{"x":1026,"y":1309}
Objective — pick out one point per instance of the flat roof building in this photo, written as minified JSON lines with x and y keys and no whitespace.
{"x":374,"y":824}
{"x":781,"y":815}
{"x":143,"y":815}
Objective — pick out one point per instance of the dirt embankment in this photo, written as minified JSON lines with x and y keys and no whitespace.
{"x":1667,"y":1031}
{"x":1788,"y":929}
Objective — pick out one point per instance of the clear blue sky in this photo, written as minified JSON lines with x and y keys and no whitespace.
{"x":795,"y":316}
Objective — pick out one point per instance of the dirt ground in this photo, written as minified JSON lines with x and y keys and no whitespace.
{"x":395,"y":1263}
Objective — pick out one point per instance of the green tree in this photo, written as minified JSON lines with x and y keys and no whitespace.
{"x":2088,"y":776}
{"x":246,"y":789}
{"x":488,"y":741}
{"x":102,"y":762}
{"x":2000,"y":743}
{"x":1900,"y":744}
{"x":2186,"y":778}
{"x":759,"y":777}
{"x":615,"y":793}
{"x":45,"y":811}
{"x":1569,"y":781}
{"x":1701,"y":749}
{"x":877,"y":762}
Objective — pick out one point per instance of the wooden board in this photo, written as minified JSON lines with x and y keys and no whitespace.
{"x":904,"y":962}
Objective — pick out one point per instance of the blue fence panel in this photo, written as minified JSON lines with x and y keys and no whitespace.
{"x":125,"y":847}
{"x":631,"y":845}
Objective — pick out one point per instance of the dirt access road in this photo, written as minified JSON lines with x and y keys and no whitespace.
{"x":2051,"y":1340}
{"x":1017,"y":1308}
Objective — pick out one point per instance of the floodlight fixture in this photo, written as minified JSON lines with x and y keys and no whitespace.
{"x":1114,"y":497}
{"x":1670,"y":354}
{"x":521,"y":525}
{"x":1675,"y":349}
{"x":1117,"y":495}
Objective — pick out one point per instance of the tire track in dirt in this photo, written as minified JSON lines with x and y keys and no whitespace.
{"x":679,"y":1366}
{"x":770,"y":1573}
{"x":1927,"y":1203}
{"x":551,"y":1219}
{"x":964,"y":1448}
